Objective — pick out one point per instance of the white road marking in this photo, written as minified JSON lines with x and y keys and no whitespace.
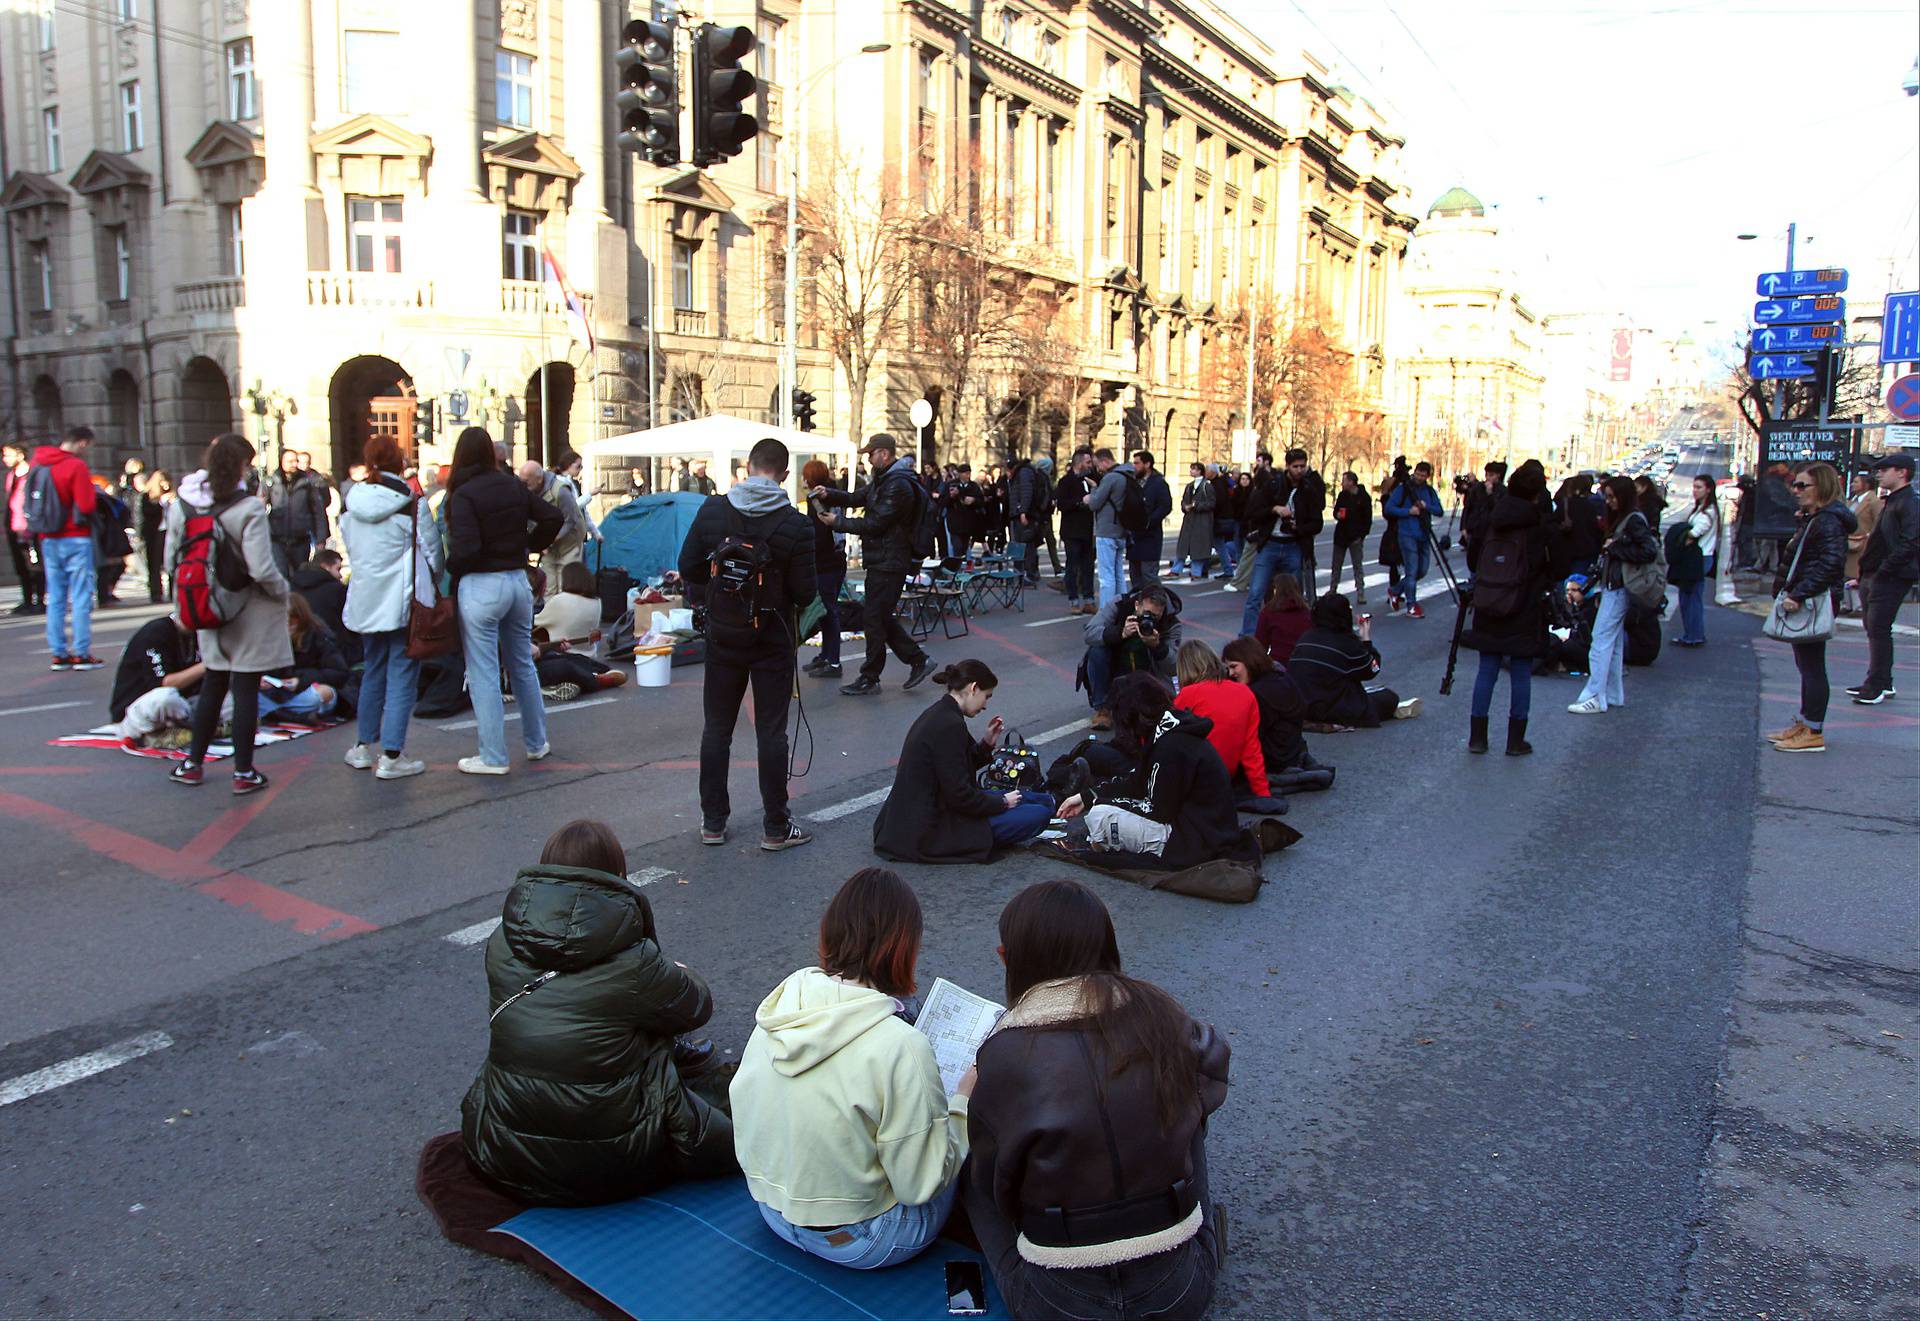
{"x":49,"y":706}
{"x":474,"y":934}
{"x":82,"y":1066}
{"x":1057,"y":619}
{"x":558,"y":709}
{"x":1039,"y":740}
{"x":852,"y":805}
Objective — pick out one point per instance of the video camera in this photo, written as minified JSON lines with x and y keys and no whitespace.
{"x":1462,"y":484}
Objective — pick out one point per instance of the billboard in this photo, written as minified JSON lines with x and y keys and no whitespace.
{"x":1621,"y":366}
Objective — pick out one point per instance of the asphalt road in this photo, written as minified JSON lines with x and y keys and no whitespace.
{"x":1478,"y":1012}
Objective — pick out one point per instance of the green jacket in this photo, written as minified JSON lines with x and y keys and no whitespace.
{"x":579,"y":1101}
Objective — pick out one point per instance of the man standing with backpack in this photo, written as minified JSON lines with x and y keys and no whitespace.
{"x":1146,"y":526}
{"x":895,"y":536}
{"x":1027,"y":516}
{"x":1107,"y":503}
{"x":751,"y":552}
{"x":59,"y":502}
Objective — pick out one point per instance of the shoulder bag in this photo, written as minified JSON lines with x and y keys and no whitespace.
{"x":1813,"y":621}
{"x":433,"y":627}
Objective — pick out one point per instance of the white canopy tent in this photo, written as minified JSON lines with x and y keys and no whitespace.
{"x":722,"y":440}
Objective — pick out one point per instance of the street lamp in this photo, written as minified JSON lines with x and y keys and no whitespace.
{"x":790,"y":354}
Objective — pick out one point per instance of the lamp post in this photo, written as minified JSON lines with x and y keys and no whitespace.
{"x":790,"y":354}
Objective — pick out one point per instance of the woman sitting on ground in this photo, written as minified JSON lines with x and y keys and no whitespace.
{"x":1175,"y":809}
{"x":1206,"y":691}
{"x":581,"y":1100}
{"x":309,"y":690}
{"x":936,"y":811}
{"x":571,"y":614}
{"x":1087,"y":1186}
{"x":1332,"y":663}
{"x":1283,"y":714}
{"x":1284,"y":619}
{"x":850,"y":1143}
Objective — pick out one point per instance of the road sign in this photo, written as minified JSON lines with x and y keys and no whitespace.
{"x":1800,"y":309}
{"x":1779,"y":367}
{"x":1780,"y":284}
{"x":1786,"y":338}
{"x":1794,"y":443}
{"x":1903,"y":437}
{"x":1900,"y":332}
{"x":1903,"y":398}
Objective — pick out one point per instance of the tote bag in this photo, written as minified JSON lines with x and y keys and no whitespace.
{"x":1812,"y":622}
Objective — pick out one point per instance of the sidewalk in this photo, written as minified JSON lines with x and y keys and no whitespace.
{"x":1807,"y":1198}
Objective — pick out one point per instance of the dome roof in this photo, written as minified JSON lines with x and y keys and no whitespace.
{"x":1457,"y":201}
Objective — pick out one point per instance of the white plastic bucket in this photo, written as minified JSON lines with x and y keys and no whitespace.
{"x":653,"y":671}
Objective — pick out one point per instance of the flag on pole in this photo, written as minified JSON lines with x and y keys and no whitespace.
{"x":556,"y":279}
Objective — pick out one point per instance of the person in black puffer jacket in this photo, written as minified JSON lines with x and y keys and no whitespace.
{"x":1816,"y":563}
{"x":895,"y":503}
{"x":1509,"y":627}
{"x":581,"y":1100}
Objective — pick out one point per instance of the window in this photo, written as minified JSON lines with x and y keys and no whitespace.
{"x":513,"y":89}
{"x":772,"y":175}
{"x":372,"y":72}
{"x":1049,"y":180}
{"x":683,"y":292}
{"x":126,"y":10}
{"x":133,"y":130}
{"x":373,"y":234}
{"x":1169,"y":229}
{"x":243,"y":91}
{"x":519,"y":250}
{"x":772,"y":37}
{"x":46,"y":25}
{"x":40,"y":260}
{"x":233,"y":256}
{"x":925,"y":84}
{"x":120,"y":278}
{"x":50,"y":136}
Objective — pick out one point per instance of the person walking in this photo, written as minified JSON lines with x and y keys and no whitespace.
{"x":21,"y":544}
{"x":390,"y":550}
{"x":1866,"y":510}
{"x":1889,"y":566}
{"x":1413,"y":506}
{"x":1694,"y":539}
{"x":1144,"y":547}
{"x":1352,"y":520}
{"x":253,"y":643}
{"x":891,"y":547}
{"x":1076,"y":532}
{"x":62,"y":523}
{"x":1107,"y":499}
{"x":1508,"y":602}
{"x":494,"y":520}
{"x":829,"y":572}
{"x":1193,"y":553}
{"x":1629,"y":540}
{"x":1815,"y":562}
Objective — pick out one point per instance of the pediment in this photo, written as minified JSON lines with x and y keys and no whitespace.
{"x":26,"y":191}
{"x":103,"y":171}
{"x":371,"y":135}
{"x":691,"y":188}
{"x":224,"y":143}
{"x":534,"y":152}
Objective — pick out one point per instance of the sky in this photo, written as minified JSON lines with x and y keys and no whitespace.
{"x":1624,"y":145}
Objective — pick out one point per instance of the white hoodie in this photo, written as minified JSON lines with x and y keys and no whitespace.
{"x":838,"y":1110}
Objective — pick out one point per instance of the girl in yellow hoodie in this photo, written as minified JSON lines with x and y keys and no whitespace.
{"x":850,"y":1144}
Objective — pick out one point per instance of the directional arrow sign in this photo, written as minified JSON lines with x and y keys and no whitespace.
{"x":1779,"y":367}
{"x":1900,"y":333}
{"x":1800,"y":309}
{"x":1780,"y":338}
{"x":1781,"y":284}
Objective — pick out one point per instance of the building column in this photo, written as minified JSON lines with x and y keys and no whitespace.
{"x":596,"y":249}
{"x":458,"y":246}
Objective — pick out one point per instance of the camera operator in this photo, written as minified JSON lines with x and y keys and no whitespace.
{"x":1413,"y":506}
{"x":751,"y":553}
{"x":896,"y":504}
{"x":1138,"y":631}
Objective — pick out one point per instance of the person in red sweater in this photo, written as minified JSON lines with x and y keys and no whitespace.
{"x":67,"y":555}
{"x":1284,"y":619}
{"x":1205,"y":690}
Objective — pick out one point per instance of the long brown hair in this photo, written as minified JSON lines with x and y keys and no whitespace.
{"x":301,"y":624}
{"x":1061,"y":929}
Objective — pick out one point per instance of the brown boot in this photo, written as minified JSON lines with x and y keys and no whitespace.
{"x":1806,"y":740}
{"x":1798,"y":726}
{"x":1102,"y":719}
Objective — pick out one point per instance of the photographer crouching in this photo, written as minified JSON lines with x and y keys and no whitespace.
{"x":1139,"y":631}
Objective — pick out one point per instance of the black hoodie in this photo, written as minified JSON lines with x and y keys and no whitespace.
{"x":1183,"y":783}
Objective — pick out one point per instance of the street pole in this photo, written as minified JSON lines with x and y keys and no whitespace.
{"x":789,"y":355}
{"x":1253,"y":342}
{"x":1779,"y":386}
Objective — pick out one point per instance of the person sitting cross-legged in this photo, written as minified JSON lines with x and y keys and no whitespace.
{"x":1207,"y":691}
{"x":1133,"y":632}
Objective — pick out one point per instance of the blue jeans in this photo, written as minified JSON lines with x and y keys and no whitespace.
{"x":1079,"y":552}
{"x":829,"y":584}
{"x":888,"y":1239}
{"x":70,"y":582}
{"x":306,"y":704}
{"x":496,"y":619}
{"x":1607,"y":657}
{"x":1693,"y":612}
{"x":1414,"y":561}
{"x":1226,"y":541}
{"x":1279,"y":555}
{"x":1019,"y":824}
{"x":1110,"y":565}
{"x":388,"y":688}
{"x":1519,"y":685}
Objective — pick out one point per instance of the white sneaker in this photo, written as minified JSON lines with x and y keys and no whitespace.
{"x":1408,"y":709}
{"x":1593,"y":706}
{"x":540,"y":753}
{"x":1228,"y":587}
{"x":360,"y":757}
{"x":398,"y":768}
{"x":475,"y":766}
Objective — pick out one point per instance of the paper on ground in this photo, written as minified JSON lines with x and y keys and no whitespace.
{"x":956,"y":1021}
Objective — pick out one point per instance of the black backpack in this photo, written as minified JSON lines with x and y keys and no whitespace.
{"x":1133,"y":506}
{"x":1500,"y":584}
{"x":922,"y":523}
{"x":46,"y":512}
{"x":737,"y":573}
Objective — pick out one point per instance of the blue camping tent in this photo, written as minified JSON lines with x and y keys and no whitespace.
{"x":643,"y":536}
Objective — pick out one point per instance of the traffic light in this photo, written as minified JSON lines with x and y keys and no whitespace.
{"x":647,"y":104}
{"x":803,"y":409}
{"x":422,"y":424}
{"x":721,"y":128}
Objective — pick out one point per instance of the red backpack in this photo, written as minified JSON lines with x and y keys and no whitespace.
{"x":210,"y":580}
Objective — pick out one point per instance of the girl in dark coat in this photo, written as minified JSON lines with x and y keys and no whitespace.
{"x":1512,"y":639}
{"x":1815,"y":562}
{"x":580,"y":1100}
{"x":1332,"y":663}
{"x":830,"y":572}
{"x":936,"y":812}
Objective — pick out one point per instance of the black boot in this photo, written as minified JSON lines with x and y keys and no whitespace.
{"x":1517,"y":745}
{"x":1476,"y":733}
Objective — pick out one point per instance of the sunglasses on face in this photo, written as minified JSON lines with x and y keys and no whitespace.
{"x":1801,"y":486}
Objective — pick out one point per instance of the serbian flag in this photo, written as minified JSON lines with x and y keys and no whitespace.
{"x":556,"y":281}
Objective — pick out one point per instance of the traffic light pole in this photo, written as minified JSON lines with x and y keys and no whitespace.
{"x":789,"y":352}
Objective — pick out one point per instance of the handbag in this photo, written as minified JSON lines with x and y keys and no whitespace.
{"x":1812,"y":622}
{"x":433,"y":628}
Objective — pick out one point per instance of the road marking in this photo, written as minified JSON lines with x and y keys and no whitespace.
{"x":852,"y":805}
{"x":1051,"y":735}
{"x":472,"y":935}
{"x":1043,"y":623}
{"x":82,"y":1066}
{"x":50,"y":706}
{"x":559,"y":709}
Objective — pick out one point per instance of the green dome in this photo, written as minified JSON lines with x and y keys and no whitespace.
{"x":1457,"y":201}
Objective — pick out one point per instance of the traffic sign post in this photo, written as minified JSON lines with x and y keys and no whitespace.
{"x":1781,"y":367}
{"x":1772,"y":310}
{"x":1903,"y":398}
{"x":1787,"y":338}
{"x":1781,"y":284}
{"x":1900,"y":331}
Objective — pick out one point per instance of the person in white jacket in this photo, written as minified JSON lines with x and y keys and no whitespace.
{"x":849,"y":1141}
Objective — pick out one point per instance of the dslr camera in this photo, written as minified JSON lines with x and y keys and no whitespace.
{"x":1145,"y":623}
{"x":1463,"y":484}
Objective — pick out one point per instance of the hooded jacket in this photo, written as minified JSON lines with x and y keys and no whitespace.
{"x":894,"y":503}
{"x":1183,"y":783}
{"x":1821,"y":551}
{"x":579,"y":1101}
{"x":75,"y":485}
{"x":255,"y":641}
{"x":1105,"y":500}
{"x":1523,"y":633}
{"x":377,"y":529}
{"x":935,"y":812}
{"x":839,"y":1114}
{"x":1106,"y":628}
{"x":758,"y":508}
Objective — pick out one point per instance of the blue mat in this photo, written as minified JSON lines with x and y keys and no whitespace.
{"x":702,"y":1250}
